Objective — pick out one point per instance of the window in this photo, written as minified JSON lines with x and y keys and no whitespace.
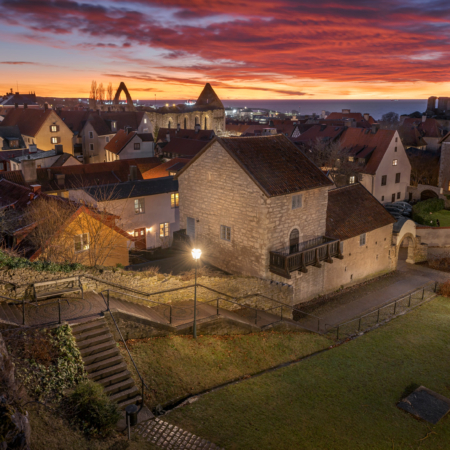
{"x":91,"y":135}
{"x":206,"y":123}
{"x":395,"y":162}
{"x":2,"y":166}
{"x":145,"y":120}
{"x":448,"y":186}
{"x":14,"y":143}
{"x":137,"y":145}
{"x":225,"y":233}
{"x":91,"y":147}
{"x":163,"y":229}
{"x":174,"y":200}
{"x":395,"y":149}
{"x":107,"y":138}
{"x":352,"y":180}
{"x":351,"y":159}
{"x":396,"y":139}
{"x":297,"y":201}
{"x":55,"y":140}
{"x":139,"y":206}
{"x":397,"y":178}
{"x":383,"y":180}
{"x":362,"y":239}
{"x":398,"y":195}
{"x":294,"y":239}
{"x":382,"y":198}
{"x":393,"y":197}
{"x":169,"y":125}
{"x":54,"y":128}
{"x":81,"y":242}
{"x":172,"y":174}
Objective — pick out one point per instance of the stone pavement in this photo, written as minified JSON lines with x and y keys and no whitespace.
{"x":171,"y":437}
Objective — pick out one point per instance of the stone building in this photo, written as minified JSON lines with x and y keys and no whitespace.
{"x":257,"y":206}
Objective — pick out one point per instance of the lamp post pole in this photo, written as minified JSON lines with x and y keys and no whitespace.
{"x":196,"y":253}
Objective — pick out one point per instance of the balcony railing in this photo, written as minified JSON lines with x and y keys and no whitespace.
{"x":300,"y":256}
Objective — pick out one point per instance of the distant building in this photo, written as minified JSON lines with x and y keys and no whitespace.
{"x":422,"y":133}
{"x":16,"y":100}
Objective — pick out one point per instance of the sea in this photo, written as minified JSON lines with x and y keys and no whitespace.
{"x":376,"y":108}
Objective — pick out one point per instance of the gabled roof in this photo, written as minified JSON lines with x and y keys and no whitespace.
{"x":8,"y":133}
{"x":429,"y":128}
{"x":133,"y":189}
{"x":163,"y":170}
{"x":319,"y":132}
{"x":364,"y":138}
{"x":411,"y":136}
{"x":358,"y":117}
{"x":29,"y":121}
{"x":205,"y":135}
{"x":119,"y":141}
{"x":146,"y":137}
{"x":352,"y":210}
{"x":20,"y":99}
{"x":124,"y":118}
{"x":274,"y":163}
{"x":99,"y":125}
{"x":209,"y":98}
{"x":75,"y":120}
{"x":184,"y":148}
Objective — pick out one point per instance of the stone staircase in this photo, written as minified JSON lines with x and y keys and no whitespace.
{"x":103,"y":362}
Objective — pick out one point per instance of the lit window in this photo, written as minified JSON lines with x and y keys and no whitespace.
{"x":139,"y":206}
{"x":137,"y":146}
{"x":383,"y":180}
{"x":352,"y":180}
{"x":54,"y":140}
{"x":172,"y":174}
{"x":397,"y":178}
{"x":225,"y":233}
{"x":14,"y":143}
{"x":351,"y":159}
{"x":395,"y":162}
{"x":448,"y":186}
{"x":145,"y":120}
{"x":91,"y":135}
{"x":174,"y":200}
{"x":163,"y":229}
{"x":81,"y":242}
{"x":362,"y":239}
{"x":53,"y":128}
{"x":296,"y":201}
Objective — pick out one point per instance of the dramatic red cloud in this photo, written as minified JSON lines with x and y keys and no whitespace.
{"x":286,"y":47}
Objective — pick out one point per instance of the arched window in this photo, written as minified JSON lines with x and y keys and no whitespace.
{"x":293,"y":241}
{"x":185,"y":123}
{"x":206,"y":123}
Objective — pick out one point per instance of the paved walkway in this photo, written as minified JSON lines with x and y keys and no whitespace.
{"x":170,"y":437}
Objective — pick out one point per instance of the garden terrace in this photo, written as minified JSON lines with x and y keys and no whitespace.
{"x":303,"y":254}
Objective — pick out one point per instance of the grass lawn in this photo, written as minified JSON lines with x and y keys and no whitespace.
{"x":176,"y":366}
{"x":443,"y":215}
{"x":341,"y":399}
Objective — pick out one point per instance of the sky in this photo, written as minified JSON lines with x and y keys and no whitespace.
{"x":265,"y":49}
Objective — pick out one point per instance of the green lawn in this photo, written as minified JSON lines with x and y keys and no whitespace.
{"x":443,"y":215}
{"x":177,"y":366}
{"x":344,"y":398}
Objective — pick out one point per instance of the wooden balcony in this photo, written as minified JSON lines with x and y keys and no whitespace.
{"x":304,"y":254}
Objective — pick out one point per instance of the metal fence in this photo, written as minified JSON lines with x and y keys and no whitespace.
{"x":385,"y":312}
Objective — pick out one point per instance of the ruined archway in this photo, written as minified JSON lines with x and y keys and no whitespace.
{"x":406,"y":248}
{"x":123,"y":88}
{"x":427,"y":194}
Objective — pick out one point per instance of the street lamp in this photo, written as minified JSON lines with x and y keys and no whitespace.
{"x":196,"y":253}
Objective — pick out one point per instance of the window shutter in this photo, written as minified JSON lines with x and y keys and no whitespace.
{"x":57,"y":127}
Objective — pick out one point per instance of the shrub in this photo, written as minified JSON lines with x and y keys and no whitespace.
{"x":92,"y":410}
{"x":422,"y":210}
{"x":444,"y":289}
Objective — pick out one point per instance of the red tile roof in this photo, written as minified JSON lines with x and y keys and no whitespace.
{"x":124,"y":118}
{"x":429,"y":128}
{"x":206,"y":135}
{"x":319,"y":132}
{"x":75,"y":120}
{"x":358,"y":117}
{"x":99,"y":125}
{"x":352,"y":211}
{"x":163,"y":169}
{"x":357,"y":139}
{"x":184,"y":147}
{"x":119,"y":141}
{"x":274,"y":163}
{"x":28,"y":120}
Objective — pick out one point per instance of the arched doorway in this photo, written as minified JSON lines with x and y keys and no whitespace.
{"x":427,"y":194}
{"x":406,"y":249}
{"x":294,"y":238}
{"x":169,"y":125}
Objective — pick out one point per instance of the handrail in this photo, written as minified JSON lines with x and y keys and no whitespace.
{"x":144,"y":385}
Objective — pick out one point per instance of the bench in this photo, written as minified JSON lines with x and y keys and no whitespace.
{"x":46,"y":289}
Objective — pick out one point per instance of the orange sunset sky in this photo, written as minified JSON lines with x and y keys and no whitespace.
{"x":287,"y":49}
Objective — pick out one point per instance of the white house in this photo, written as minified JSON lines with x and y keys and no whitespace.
{"x":146,"y":209}
{"x":127,"y":144}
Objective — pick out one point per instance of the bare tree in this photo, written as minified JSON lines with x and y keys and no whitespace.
{"x":101,"y":93}
{"x":93,"y":93}
{"x":109,"y":92}
{"x":390,"y":121}
{"x":424,"y":167}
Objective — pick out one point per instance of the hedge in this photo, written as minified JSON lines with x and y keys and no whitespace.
{"x":422,"y":210}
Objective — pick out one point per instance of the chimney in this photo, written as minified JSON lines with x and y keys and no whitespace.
{"x":366,"y":116}
{"x":25,"y":106}
{"x":46,"y":106}
{"x":59,"y":149}
{"x":168,"y":137}
{"x":32,"y":148}
{"x":375,"y":127}
{"x":197,"y":127}
{"x":133,"y":173}
{"x":29,"y":171}
{"x":36,"y":188}
{"x":424,"y":118}
{"x":60,"y":179}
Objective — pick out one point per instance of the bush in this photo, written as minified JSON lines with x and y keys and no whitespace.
{"x":444,"y":289}
{"x":92,"y":410}
{"x":13,"y":262}
{"x":422,"y":210}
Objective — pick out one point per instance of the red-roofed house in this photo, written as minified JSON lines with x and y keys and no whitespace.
{"x":127,"y":144}
{"x":362,"y":120}
{"x":414,"y":132}
{"x":169,"y":168}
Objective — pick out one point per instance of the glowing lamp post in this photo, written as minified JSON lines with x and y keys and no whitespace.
{"x":196,"y":253}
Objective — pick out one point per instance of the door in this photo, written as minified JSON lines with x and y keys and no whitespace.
{"x":140,"y":243}
{"x":190,"y":227}
{"x":393,"y":198}
{"x":293,"y":241}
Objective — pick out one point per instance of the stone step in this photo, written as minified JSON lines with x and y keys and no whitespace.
{"x":94,"y":341}
{"x":115,"y":378}
{"x":125,"y":394}
{"x":117,"y":388}
{"x":99,"y":348}
{"x":86,"y":326}
{"x":129,"y":401}
{"x":90,"y":334}
{"x":107,"y":354}
{"x":104,"y":364}
{"x":100,"y":371}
